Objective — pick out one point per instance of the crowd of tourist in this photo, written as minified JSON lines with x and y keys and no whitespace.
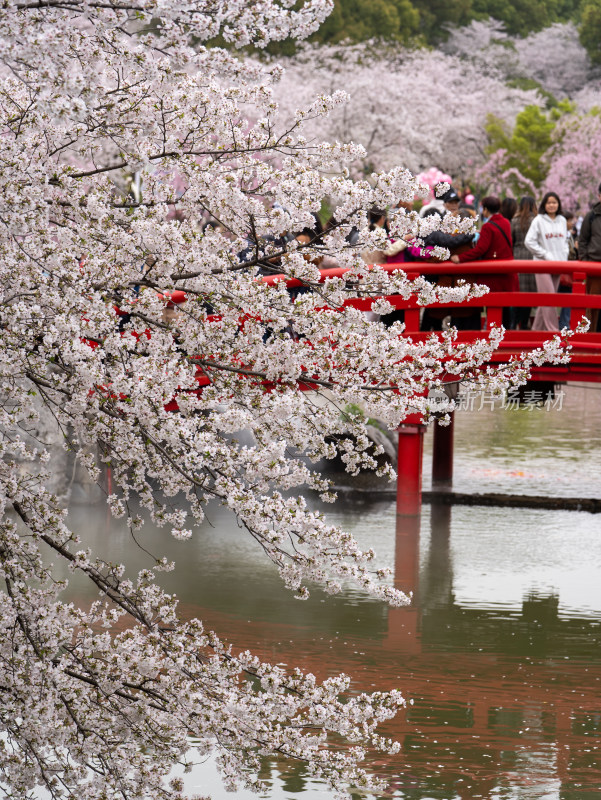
{"x":513,"y":229}
{"x":509,"y":229}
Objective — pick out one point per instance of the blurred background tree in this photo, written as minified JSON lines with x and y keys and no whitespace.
{"x":590,"y":29}
{"x":529,"y":140}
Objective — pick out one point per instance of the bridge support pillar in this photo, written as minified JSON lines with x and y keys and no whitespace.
{"x":442,"y":455}
{"x":409,"y":468}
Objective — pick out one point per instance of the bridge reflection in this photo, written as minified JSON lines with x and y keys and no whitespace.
{"x":492,"y":688}
{"x":504,"y":702}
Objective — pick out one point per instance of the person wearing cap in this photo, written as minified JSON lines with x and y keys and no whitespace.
{"x":454,"y":242}
{"x":435,"y":204}
{"x":589,"y":249}
{"x":451,"y":202}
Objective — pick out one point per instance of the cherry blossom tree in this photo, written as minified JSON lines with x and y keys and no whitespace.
{"x":538,"y":59}
{"x":428,"y":107}
{"x":588,"y":97}
{"x":485,"y":43}
{"x":498,"y":177}
{"x":525,"y":60}
{"x":122,"y":130}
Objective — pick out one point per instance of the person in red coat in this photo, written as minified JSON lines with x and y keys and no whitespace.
{"x":495,"y":243}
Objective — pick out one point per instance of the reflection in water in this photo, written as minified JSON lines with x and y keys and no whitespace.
{"x":499,"y":652}
{"x":499,"y":691}
{"x":504,"y":677}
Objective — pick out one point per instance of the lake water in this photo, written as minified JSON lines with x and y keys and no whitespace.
{"x":500,"y":651}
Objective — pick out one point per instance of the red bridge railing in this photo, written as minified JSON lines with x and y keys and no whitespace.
{"x":586,"y":347}
{"x":493,"y":302}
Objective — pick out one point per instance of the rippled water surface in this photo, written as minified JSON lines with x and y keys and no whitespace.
{"x":500,"y":651}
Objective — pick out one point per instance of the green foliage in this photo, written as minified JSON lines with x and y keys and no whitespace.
{"x":435,"y":15}
{"x":529,"y":83}
{"x":530,"y":139}
{"x":590,"y":29}
{"x":522,"y":17}
{"x":427,"y":20}
{"x":359,"y":20}
{"x":326,"y":211}
{"x":354,"y":412}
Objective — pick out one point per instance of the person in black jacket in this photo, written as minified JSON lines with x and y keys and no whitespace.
{"x":589,"y":249}
{"x":432,"y":318}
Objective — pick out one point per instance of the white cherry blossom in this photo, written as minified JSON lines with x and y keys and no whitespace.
{"x":122,"y":132}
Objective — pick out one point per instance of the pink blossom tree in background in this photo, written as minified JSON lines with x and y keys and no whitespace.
{"x":432,"y":177}
{"x":497,"y":177}
{"x":561,"y":154}
{"x":575,"y":160}
{"x":102,"y":701}
{"x":428,"y":108}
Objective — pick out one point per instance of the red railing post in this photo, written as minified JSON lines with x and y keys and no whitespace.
{"x":494,"y":316}
{"x":579,"y":288}
{"x":409,"y":467}
{"x":412,"y":320}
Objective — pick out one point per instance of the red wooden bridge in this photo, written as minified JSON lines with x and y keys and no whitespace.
{"x":585,"y":362}
{"x":584,"y":365}
{"x":585,"y":357}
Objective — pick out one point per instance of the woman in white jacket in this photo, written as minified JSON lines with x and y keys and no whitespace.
{"x":547,"y":240}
